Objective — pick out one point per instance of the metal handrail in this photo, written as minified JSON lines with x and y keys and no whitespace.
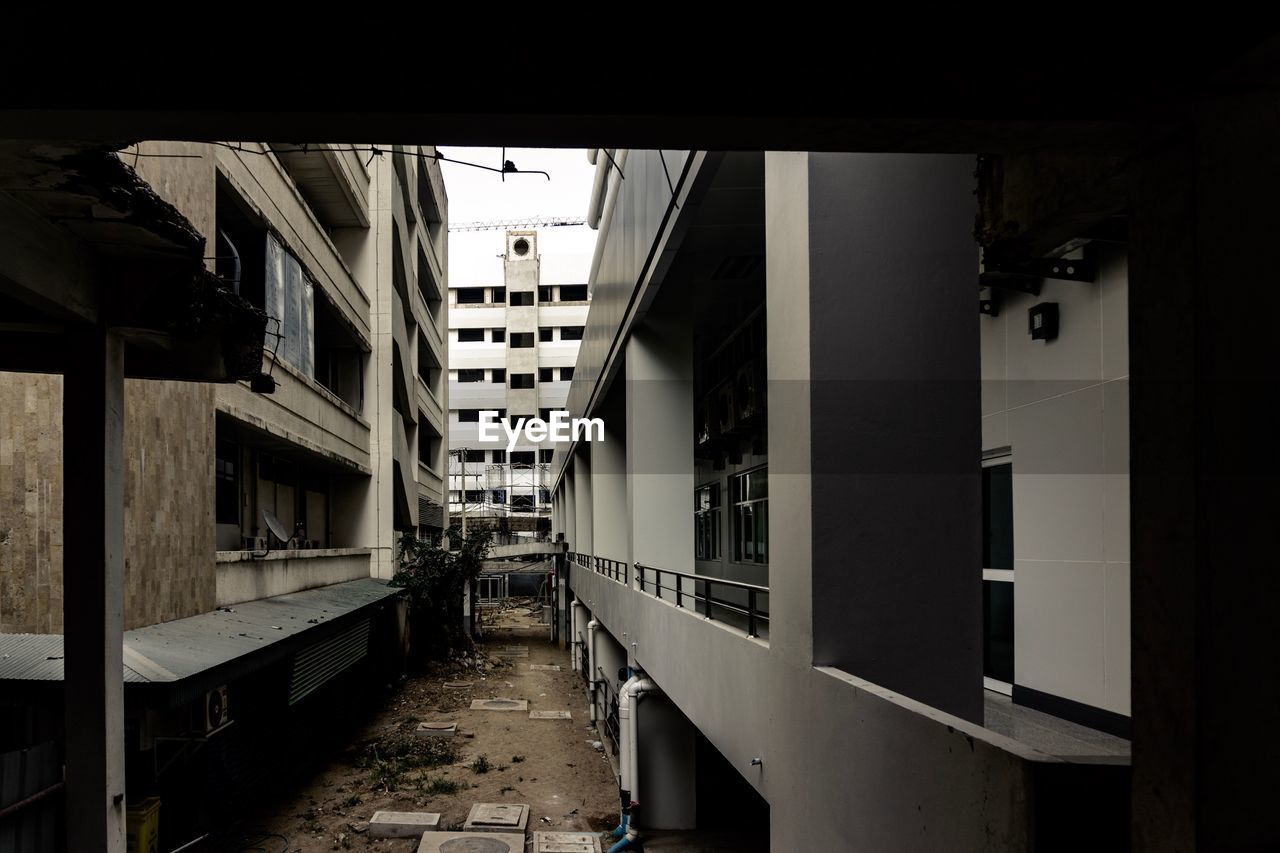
{"x":611,"y":725}
{"x":583,"y":662}
{"x":755,"y":615}
{"x":617,"y":570}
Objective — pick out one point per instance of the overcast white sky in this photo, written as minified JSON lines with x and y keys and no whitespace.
{"x":478,"y":195}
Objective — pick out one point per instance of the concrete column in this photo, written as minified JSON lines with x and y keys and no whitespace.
{"x":570,"y":513}
{"x":93,"y":590}
{"x":582,"y":498}
{"x":893,"y":418}
{"x":659,"y":414}
{"x":668,"y":765}
{"x":609,"y":517}
{"x":1205,"y":485}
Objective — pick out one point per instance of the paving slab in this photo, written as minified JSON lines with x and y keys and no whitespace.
{"x":402,"y":824}
{"x":565,"y":842}
{"x":457,"y":685}
{"x":471,"y":842}
{"x":497,"y":817}
{"x":544,"y":667}
{"x":550,"y":715}
{"x":436,"y":729}
{"x":499,"y":704}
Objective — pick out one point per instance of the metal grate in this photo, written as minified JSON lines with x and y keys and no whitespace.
{"x":317,"y":664}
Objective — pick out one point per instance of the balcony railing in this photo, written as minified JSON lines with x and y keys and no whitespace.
{"x":613,"y":569}
{"x":610,"y":697}
{"x":701,"y":591}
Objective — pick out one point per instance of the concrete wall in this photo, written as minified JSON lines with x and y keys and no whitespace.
{"x":1062,"y":407}
{"x":243,"y":577}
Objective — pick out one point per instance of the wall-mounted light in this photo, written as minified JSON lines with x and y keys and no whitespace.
{"x":1042,"y":321}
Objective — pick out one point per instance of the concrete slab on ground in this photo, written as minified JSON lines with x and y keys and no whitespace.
{"x":499,"y":704}
{"x":550,"y":715}
{"x":565,"y":842}
{"x":471,"y":842}
{"x":544,"y":667}
{"x":497,"y":817}
{"x":402,"y":824}
{"x":436,"y":729}
{"x":457,"y":685}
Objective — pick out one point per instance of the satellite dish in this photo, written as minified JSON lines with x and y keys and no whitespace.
{"x":277,"y":529}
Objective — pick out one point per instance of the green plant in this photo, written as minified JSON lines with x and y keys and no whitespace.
{"x":438,"y":785}
{"x":436,"y":579}
{"x":516,"y":759}
{"x":481,"y":764}
{"x":351,"y":801}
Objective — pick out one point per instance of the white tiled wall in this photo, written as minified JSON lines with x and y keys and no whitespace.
{"x":1063,"y":408}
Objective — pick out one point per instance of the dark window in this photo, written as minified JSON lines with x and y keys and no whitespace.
{"x":566,"y":373}
{"x":751,"y":516}
{"x":544,"y":293}
{"x":470,"y":335}
{"x":570,"y":333}
{"x":522,"y":502}
{"x":545,"y":414}
{"x":546,"y":374}
{"x":545,"y":333}
{"x":521,"y":340}
{"x":499,"y":374}
{"x":997,"y":623}
{"x":470,"y":375}
{"x":545,"y":454}
{"x":470,"y":295}
{"x":499,"y":456}
{"x":468,"y":416}
{"x":499,"y":496}
{"x":474,"y":456}
{"x":522,"y":457}
{"x":573,"y":293}
{"x":997,"y":516}
{"x":475,"y":496}
{"x":706,"y":520}
{"x":523,"y":297}
{"x":499,"y":295}
{"x":499,"y":335}
{"x":522,"y":380}
{"x":228,"y":483}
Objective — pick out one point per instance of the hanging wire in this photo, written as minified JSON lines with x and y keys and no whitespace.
{"x":670,"y":186}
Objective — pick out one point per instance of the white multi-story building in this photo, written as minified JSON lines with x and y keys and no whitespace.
{"x":512,"y":350}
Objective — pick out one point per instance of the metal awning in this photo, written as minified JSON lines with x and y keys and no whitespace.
{"x":185,"y":657}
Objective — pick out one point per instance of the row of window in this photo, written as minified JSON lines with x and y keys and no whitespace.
{"x":749,"y":499}
{"x":520,"y":340}
{"x":498,"y":295}
{"x":499,"y":496}
{"x":472,"y":416}
{"x":499,"y":457}
{"x":518,"y":380}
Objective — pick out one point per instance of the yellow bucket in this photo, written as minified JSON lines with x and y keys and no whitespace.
{"x":142,"y":826}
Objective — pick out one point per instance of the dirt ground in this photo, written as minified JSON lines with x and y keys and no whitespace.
{"x":551,"y":765}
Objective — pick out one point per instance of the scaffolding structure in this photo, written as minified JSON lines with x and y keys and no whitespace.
{"x":503,"y":496}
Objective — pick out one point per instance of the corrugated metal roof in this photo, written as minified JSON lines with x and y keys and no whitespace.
{"x":172,"y":651}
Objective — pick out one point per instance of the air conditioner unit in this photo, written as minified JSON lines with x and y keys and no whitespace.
{"x":725,"y":408}
{"x":216,"y":712}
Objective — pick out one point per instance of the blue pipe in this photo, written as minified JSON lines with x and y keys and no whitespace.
{"x":621,"y":828}
{"x":621,"y":845}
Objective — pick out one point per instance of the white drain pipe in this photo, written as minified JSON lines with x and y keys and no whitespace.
{"x":575,"y":644}
{"x":592,"y":626}
{"x":629,"y":756}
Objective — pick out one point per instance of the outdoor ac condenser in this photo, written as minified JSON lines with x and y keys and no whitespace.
{"x":216,"y":712}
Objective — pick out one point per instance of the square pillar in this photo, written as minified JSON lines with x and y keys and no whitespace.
{"x":93,"y":590}
{"x":609,"y":516}
{"x":582,"y":497}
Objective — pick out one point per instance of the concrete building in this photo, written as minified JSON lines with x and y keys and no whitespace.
{"x":910,"y":588}
{"x":512,"y":349}
{"x":333,"y":435}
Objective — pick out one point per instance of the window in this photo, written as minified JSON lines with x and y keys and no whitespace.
{"x":544,"y":293}
{"x":522,"y":457}
{"x":470,"y":295}
{"x":573,"y":293}
{"x":706,"y":522}
{"x":468,"y":416}
{"x":545,"y":333}
{"x":500,"y":457}
{"x":474,"y":456}
{"x":470,"y":375}
{"x":566,"y":373}
{"x":499,"y":496}
{"x":522,"y":502}
{"x":546,"y":374}
{"x":467,"y":336}
{"x":751,"y":516}
{"x":499,"y":336}
{"x":997,"y":572}
{"x":570,"y":333}
{"x":545,"y":414}
{"x":521,"y":340}
{"x":499,"y":296}
{"x":227,"y":498}
{"x":545,"y":454}
{"x":521,"y":298}
{"x":475,"y":496}
{"x":499,"y":375}
{"x":522,"y":380}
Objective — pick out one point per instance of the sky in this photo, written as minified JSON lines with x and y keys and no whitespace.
{"x":478,"y":195}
